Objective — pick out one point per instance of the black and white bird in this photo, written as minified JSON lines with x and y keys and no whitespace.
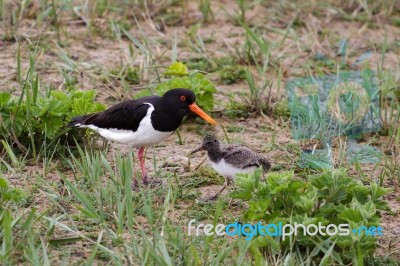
{"x":229,"y":160}
{"x":144,"y":121}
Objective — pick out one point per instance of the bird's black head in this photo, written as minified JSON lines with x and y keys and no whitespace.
{"x":182,"y":101}
{"x":209,"y":143}
{"x":179,"y":99}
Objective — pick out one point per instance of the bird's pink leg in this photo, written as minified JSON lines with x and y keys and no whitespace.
{"x":142,"y":165}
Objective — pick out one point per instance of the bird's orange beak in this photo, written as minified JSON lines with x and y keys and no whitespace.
{"x":195,"y":109}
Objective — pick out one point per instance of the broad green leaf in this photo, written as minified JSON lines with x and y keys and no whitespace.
{"x":4,"y":98}
{"x":350,"y":215}
{"x":51,"y":126}
{"x":178,"y":69}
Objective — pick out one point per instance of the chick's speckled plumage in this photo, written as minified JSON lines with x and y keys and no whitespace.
{"x":236,"y":158}
{"x":229,"y":160}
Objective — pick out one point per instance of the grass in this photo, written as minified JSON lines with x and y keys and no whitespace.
{"x":114,"y":217}
{"x":72,"y":203}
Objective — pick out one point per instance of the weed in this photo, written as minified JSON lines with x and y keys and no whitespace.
{"x":10,"y":195}
{"x":128,"y":74}
{"x":330,"y":197}
{"x":204,"y":65}
{"x":204,"y":176}
{"x":233,"y":128}
{"x":197,"y":82}
{"x":205,"y":8}
{"x":255,"y":51}
{"x":236,"y":109}
{"x":37,"y":120}
{"x":10,"y":220}
{"x":281,"y":109}
{"x":254,"y":99}
{"x":243,"y":6}
{"x":232,"y":74}
{"x":199,"y":64}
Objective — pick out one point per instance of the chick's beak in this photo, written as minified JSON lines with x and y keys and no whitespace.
{"x":195,"y":109}
{"x":201,"y":147}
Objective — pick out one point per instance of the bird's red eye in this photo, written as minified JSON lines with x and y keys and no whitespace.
{"x":183,"y":98}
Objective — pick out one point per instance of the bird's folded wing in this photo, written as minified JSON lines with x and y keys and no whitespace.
{"x":125,"y":116}
{"x":241,"y":156}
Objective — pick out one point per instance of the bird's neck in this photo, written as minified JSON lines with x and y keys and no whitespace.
{"x":215,"y":154}
{"x":165,"y":120}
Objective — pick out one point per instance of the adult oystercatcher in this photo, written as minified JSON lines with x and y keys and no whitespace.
{"x":229,"y":160}
{"x":144,"y":121}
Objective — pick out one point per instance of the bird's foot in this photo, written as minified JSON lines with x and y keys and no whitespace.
{"x":210,"y":198}
{"x":213,"y":197}
{"x":152,"y":182}
{"x":135,"y":184}
{"x":146,"y":182}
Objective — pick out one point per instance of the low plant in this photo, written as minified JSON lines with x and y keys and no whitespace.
{"x":199,"y":63}
{"x":281,"y":109}
{"x":9,"y":195}
{"x":10,"y":198}
{"x":134,"y":227}
{"x":206,"y":10}
{"x":331,"y":197}
{"x":180,"y":77}
{"x":232,"y":74}
{"x":128,"y":74}
{"x":203,"y":64}
{"x":33,"y":119}
{"x":254,"y":99}
{"x":255,"y":50}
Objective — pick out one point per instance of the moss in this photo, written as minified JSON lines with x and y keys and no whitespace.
{"x":210,"y":65}
{"x":129,"y":74}
{"x":281,"y":109}
{"x":234,"y":128}
{"x":132,"y":75}
{"x":201,"y":64}
{"x":397,"y":93}
{"x":232,"y":74}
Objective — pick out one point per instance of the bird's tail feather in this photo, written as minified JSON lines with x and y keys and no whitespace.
{"x":266,"y":165}
{"x":78,"y":121}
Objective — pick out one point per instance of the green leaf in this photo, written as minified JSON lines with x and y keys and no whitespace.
{"x":64,"y":240}
{"x":378,"y":191}
{"x":17,"y":195}
{"x":6,"y":232}
{"x":331,"y":197}
{"x":3,"y":183}
{"x":350,"y":215}
{"x":43,"y":104}
{"x":85,"y":105}
{"x":51,"y":126}
{"x":308,"y":200}
{"x":197,"y":83}
{"x":59,"y":95}
{"x":89,"y":209}
{"x":4,"y":98}
{"x":263,"y":241}
{"x":58,"y":108}
{"x":178,"y":69}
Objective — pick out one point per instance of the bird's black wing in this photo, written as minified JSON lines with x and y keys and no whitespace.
{"x":125,"y":115}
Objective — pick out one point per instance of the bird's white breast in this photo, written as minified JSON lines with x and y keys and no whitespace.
{"x":145,"y":135}
{"x":225,"y":169}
